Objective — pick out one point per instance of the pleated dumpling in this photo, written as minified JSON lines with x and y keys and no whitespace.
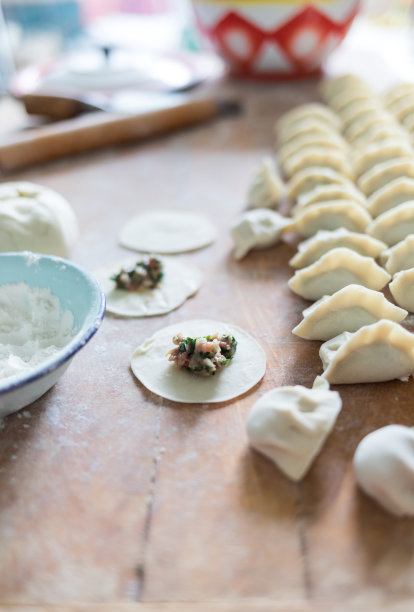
{"x":359,"y":127}
{"x":403,"y":108}
{"x":317,"y":156}
{"x":325,"y":193}
{"x":310,"y":128}
{"x":382,"y":174}
{"x":257,"y":228}
{"x":402,"y":289}
{"x":375,"y":353}
{"x":391,"y":195}
{"x":397,"y":92}
{"x":378,"y":132}
{"x":335,"y":270}
{"x":330,"y":216}
{"x":307,"y":141}
{"x":349,"y":84}
{"x":377,"y":153}
{"x":400,"y":256}
{"x":295,"y":116}
{"x":356,"y":108}
{"x":312,"y":177}
{"x":266,"y":188}
{"x":348,"y":309}
{"x":313,"y":248}
{"x":394,"y":225}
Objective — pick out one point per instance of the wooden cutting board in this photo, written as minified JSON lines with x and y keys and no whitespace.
{"x":110,"y":495}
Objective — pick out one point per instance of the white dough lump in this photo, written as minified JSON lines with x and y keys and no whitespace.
{"x":335,"y":270}
{"x":171,"y":230}
{"x":290,"y":425}
{"x":266,"y":189}
{"x":35,"y":218}
{"x":257,"y":228}
{"x":384,"y":468}
{"x":348,"y":309}
{"x":375,"y":353}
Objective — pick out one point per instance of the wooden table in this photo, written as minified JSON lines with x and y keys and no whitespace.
{"x":110,"y":495}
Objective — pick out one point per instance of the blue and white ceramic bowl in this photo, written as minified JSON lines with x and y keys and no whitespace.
{"x":78,"y":292}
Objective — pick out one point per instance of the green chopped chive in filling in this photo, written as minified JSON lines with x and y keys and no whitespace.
{"x":204,"y":355}
{"x":146,"y":274}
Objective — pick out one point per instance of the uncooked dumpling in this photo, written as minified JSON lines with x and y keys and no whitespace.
{"x":325,"y":193}
{"x":328,"y":141}
{"x":336,"y":269}
{"x":257,"y":228}
{"x":304,"y":111}
{"x":360,"y":126}
{"x":384,"y":468}
{"x":375,"y":353}
{"x":356,"y":108}
{"x":266,"y":188}
{"x":290,"y":425}
{"x":318,"y":156}
{"x":403,"y":108}
{"x":35,"y":218}
{"x":400,"y":256}
{"x":344,"y":84}
{"x":377,"y":133}
{"x":382,"y":174}
{"x":306,"y":125}
{"x":378,"y":153}
{"x":394,"y":225}
{"x":346,"y":310}
{"x":312,"y":177}
{"x":396,"y":192}
{"x":402,"y":289}
{"x":180,"y":280}
{"x":330,"y":216}
{"x":323,"y":241}
{"x":397,"y":92}
{"x":170,"y":230}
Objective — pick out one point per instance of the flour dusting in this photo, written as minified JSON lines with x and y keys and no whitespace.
{"x":33,"y":327}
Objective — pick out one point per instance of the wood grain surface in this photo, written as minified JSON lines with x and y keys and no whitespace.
{"x":110,"y":495}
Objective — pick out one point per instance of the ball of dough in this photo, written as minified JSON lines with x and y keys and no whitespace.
{"x":35,"y":218}
{"x":384,"y":468}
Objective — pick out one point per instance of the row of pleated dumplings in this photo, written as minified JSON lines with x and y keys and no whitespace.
{"x":349,"y":167}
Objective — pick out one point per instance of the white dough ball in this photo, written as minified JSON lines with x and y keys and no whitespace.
{"x":384,"y":468}
{"x":35,"y":218}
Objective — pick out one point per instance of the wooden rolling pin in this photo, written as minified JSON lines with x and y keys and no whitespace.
{"x":101,"y":129}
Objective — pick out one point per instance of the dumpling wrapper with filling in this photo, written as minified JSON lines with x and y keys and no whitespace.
{"x":335,"y":270}
{"x":382,"y":174}
{"x":312,"y":177}
{"x":344,"y":84}
{"x":345,"y":100}
{"x":400,"y":256}
{"x":266,"y":189}
{"x":168,"y":231}
{"x":403,"y":108}
{"x":348,"y":309}
{"x":377,"y":153}
{"x":257,"y":228}
{"x":317,"y":156}
{"x":402,"y":289}
{"x":356,"y":108}
{"x":330,"y":216}
{"x":180,"y":281}
{"x":304,"y":111}
{"x":313,"y":248}
{"x":391,"y":195}
{"x":307,"y":140}
{"x":150,"y":365}
{"x":394,"y":225}
{"x":375,"y":353}
{"x":398,"y":91}
{"x":325,"y":193}
{"x":384,"y":468}
{"x":289,"y":425}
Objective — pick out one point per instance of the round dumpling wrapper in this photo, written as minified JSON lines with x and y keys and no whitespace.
{"x":168,"y":231}
{"x":180,"y":281}
{"x":150,"y":365}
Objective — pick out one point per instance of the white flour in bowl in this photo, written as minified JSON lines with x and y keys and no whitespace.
{"x":32,"y":327}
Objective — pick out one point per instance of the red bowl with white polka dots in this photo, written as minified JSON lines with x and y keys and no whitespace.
{"x":271,"y":39}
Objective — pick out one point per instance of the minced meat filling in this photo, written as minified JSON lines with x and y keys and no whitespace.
{"x":203,"y":356}
{"x":146,"y":274}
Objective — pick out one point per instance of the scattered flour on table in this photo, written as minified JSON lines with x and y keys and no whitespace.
{"x":33,"y":327}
